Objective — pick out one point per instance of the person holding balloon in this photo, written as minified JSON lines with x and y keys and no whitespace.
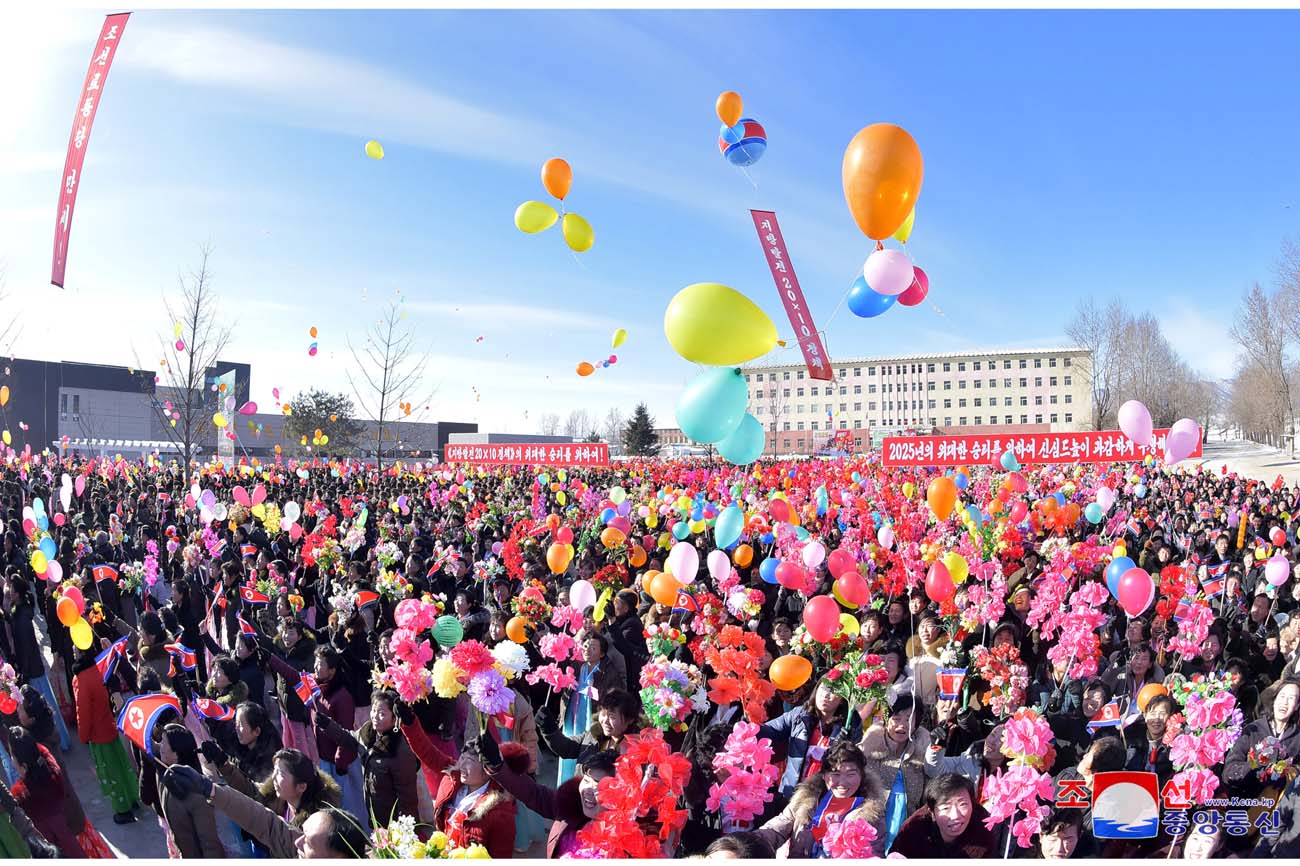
{"x":28,"y":661}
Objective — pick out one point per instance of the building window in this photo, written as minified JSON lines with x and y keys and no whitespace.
{"x":1038,"y":401}
{"x":961,"y":384}
{"x":871,"y":406}
{"x":1068,"y":417}
{"x":786,"y":375}
{"x":978,"y":418}
{"x":1024,"y":401}
{"x":929,"y":368}
{"x":857,"y":371}
{"x":1066,"y":362}
{"x":1038,"y":419}
{"x":785,"y":392}
{"x":844,"y":407}
{"x":1008,"y":419}
{"x":799,"y":426}
{"x":961,"y":404}
{"x":787,"y":427}
{"x":1023,"y":363}
{"x":799,"y":409}
{"x":871,"y":389}
{"x":746,"y":377}
{"x":976,"y":366}
{"x":1068,"y":398}
{"x":787,"y":442}
{"x":758,"y":395}
{"x":1053,"y":417}
{"x":979,"y":401}
{"x":929,"y":404}
{"x":1051,"y":362}
{"x":871,"y":371}
{"x":799,"y":392}
{"x":929,"y":386}
{"x":857,"y":407}
{"x":857,"y":389}
{"x":844,"y":425}
{"x":798,"y":374}
{"x":759,"y":411}
{"x":1052,"y":381}
{"x":1038,"y":363}
{"x":947,"y":367}
{"x":947,"y":402}
{"x":843,"y":391}
{"x":1038,"y":381}
{"x":1006,"y":401}
{"x":961,"y":422}
{"x":1024,"y":419}
{"x":961,"y":366}
{"x":815,"y":425}
{"x":1006,"y":365}
{"x":947,"y":421}
{"x":888,"y":371}
{"x":63,"y":403}
{"x":1052,"y":399}
{"x":843,"y":372}
{"x":1067,"y":381}
{"x":947,"y":385}
{"x":1006,"y":383}
{"x":1024,"y":382}
{"x":76,"y":404}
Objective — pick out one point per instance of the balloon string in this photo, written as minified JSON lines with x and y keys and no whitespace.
{"x":745,"y":171}
{"x":577,"y":260}
{"x":839,"y":306}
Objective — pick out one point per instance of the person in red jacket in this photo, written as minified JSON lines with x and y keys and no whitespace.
{"x":468,"y":805}
{"x":98,"y":730}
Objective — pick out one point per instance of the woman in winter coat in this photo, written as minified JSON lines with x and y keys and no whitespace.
{"x":898,"y":747}
{"x":299,"y":789}
{"x":42,"y":791}
{"x":190,"y":820}
{"x":37,"y":719}
{"x":468,"y":805}
{"x":389,"y":766}
{"x":1280,"y":725}
{"x":950,"y":824}
{"x":807,"y":731}
{"x":293,"y":654}
{"x":245,"y":758}
{"x":98,"y":729}
{"x":843,"y":790}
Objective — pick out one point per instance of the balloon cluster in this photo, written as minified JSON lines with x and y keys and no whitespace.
{"x":882,"y":175}
{"x":712,"y":324}
{"x":311,"y":350}
{"x":741,"y":140}
{"x":533,"y":217}
{"x":1135,"y":422}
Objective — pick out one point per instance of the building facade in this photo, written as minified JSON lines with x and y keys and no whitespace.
{"x":989,"y":391}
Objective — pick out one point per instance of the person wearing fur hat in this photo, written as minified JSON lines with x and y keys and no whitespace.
{"x":468,"y":804}
{"x":843,"y":790}
{"x":389,"y":766}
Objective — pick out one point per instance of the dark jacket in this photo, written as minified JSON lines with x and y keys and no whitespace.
{"x":389,"y":769}
{"x":27,"y":650}
{"x":628,"y":634}
{"x":920,"y":837}
{"x":794,"y":730}
{"x":1241,"y":780}
{"x":562,"y":805}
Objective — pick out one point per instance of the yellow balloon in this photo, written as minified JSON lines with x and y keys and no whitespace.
{"x":82,"y":636}
{"x":599,"y":613}
{"x":956,"y":565}
{"x":39,"y":562}
{"x":219,"y":419}
{"x":259,"y":511}
{"x":532,"y":217}
{"x":374,"y":149}
{"x":835,"y":591}
{"x":325,"y":440}
{"x":577,"y":233}
{"x":652,"y":519}
{"x":8,"y":440}
{"x":908,"y":489}
{"x":619,"y":336}
{"x":697,"y":526}
{"x":905,"y":230}
{"x":562,"y":498}
{"x":712,"y":324}
{"x":4,"y":389}
{"x":849,"y":625}
{"x":178,"y":329}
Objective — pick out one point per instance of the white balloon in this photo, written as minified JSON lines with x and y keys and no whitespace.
{"x":582,"y":595}
{"x":65,"y":495}
{"x":683,"y":562}
{"x":886,"y":536}
{"x":719,"y":565}
{"x":220,"y":511}
{"x":814,"y":553}
{"x":292,"y":511}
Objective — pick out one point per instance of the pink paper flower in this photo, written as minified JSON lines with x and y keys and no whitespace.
{"x":559,"y":647}
{"x":851,"y":838}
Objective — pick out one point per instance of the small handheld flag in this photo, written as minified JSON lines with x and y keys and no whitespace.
{"x":307,"y":689}
{"x":1108,"y":716}
{"x":211,"y":710}
{"x":104,"y":572}
{"x":107,"y":661}
{"x":141,"y":713}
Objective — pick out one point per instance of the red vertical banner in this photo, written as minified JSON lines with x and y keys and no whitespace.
{"x":787,"y":286}
{"x":82,"y":120}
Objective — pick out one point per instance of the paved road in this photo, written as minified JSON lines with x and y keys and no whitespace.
{"x":1251,"y":460}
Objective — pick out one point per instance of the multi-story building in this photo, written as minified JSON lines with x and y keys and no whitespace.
{"x":989,"y":391}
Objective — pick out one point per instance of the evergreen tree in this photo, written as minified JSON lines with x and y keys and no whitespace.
{"x":639,"y":438}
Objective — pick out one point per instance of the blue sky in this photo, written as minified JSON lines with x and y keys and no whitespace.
{"x":1145,"y":155}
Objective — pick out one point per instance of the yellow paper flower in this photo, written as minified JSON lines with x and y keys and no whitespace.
{"x":446,"y":679}
{"x":478,"y":852}
{"x":438,"y":839}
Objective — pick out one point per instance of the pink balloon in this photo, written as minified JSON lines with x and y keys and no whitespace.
{"x":1105,"y":498}
{"x":1136,"y":591}
{"x":814,"y":553}
{"x":60,"y":519}
{"x":1135,"y":422}
{"x":888,"y":272}
{"x":790,"y":576}
{"x":821,"y":616}
{"x":79,"y":485}
{"x":719,"y":565}
{"x":840,"y":561}
{"x":1276,"y":570}
{"x":938,"y":583}
{"x":886,"y":537}
{"x":74,"y":593}
{"x":780,"y":510}
{"x":259,"y":494}
{"x":916,"y":292}
{"x":1018,"y":511}
{"x":621,"y":524}
{"x":54,"y":571}
{"x":853,"y":588}
{"x":564,"y":535}
{"x":249,"y":408}
{"x":241,"y":496}
{"x":295,"y":532}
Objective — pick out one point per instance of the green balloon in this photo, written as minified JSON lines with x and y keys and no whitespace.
{"x":447,"y":631}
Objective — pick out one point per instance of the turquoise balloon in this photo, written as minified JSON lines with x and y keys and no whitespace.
{"x":712,"y":405}
{"x":49,"y":548}
{"x":681,"y":531}
{"x":1093,"y":513}
{"x":975,"y":515}
{"x":801,"y":533}
{"x":730,"y":523}
{"x":745,"y":445}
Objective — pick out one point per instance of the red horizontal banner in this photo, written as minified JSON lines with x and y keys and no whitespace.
{"x":1109,"y":446}
{"x":531,"y":454}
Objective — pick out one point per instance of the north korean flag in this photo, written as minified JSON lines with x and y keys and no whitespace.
{"x":245,"y":627}
{"x":1216,"y":577}
{"x":182,"y":655}
{"x":250,"y":595}
{"x":950,"y":682}
{"x":1108,"y":716}
{"x":104,"y":572}
{"x":211,"y":710}
{"x":365,"y":598}
{"x":685,"y":602}
{"x":307,"y":689}
{"x":247,"y":550}
{"x":140,"y":714}
{"x":107,"y":661}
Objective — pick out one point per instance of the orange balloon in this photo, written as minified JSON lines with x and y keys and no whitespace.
{"x":1150,"y":692}
{"x":663,"y":588}
{"x":636,"y":556}
{"x":882,"y":178}
{"x":789,"y":672}
{"x":557,"y":178}
{"x":517,"y":629}
{"x":67,"y":611}
{"x":558,"y":557}
{"x":1049,"y":506}
{"x":611,"y":537}
{"x":585,"y":369}
{"x":941,"y":496}
{"x":729,"y":107}
{"x":553,"y":522}
{"x":744,"y":555}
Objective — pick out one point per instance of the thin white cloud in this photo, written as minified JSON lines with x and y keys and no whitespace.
{"x":1201,"y":337}
{"x":506,"y":315}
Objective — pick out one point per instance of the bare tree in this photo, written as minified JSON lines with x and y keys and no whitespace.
{"x":194,"y":342}
{"x":1260,"y":332}
{"x":777,"y":407}
{"x":549,"y":424}
{"x":578,"y":424}
{"x":1097,"y":330}
{"x":387,"y":375}
{"x":613,"y":427}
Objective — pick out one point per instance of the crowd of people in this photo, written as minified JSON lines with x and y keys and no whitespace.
{"x":326,"y":660}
